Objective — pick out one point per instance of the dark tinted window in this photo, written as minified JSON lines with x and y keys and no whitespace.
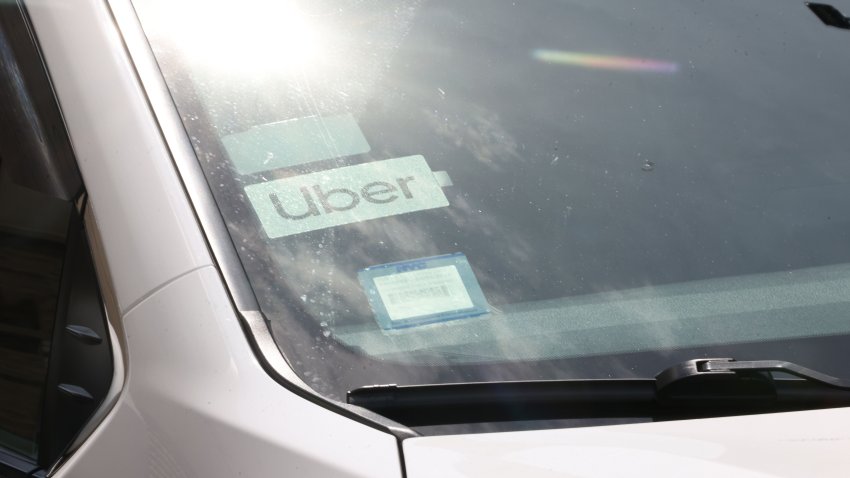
{"x":33,"y":230}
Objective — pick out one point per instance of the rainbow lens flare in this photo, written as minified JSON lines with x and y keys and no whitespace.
{"x":605,"y":62}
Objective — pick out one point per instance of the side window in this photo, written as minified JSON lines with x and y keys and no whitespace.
{"x":56,"y":362}
{"x":33,"y":234}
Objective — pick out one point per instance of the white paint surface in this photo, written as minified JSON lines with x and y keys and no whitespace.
{"x":198,"y":404}
{"x":149,"y":231}
{"x":788,"y":445}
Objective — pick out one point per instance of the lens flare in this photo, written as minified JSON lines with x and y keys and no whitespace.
{"x":605,"y":62}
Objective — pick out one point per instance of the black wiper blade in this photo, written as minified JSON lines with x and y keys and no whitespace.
{"x":829,"y":15}
{"x":691,"y":389}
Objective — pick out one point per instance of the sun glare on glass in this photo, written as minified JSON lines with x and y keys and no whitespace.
{"x":246,"y":36}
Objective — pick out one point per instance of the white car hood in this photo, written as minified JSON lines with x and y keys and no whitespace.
{"x":800,"y":444}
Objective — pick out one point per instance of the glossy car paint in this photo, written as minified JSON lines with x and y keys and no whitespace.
{"x":799,"y":444}
{"x":197,"y":403}
{"x":148,"y":228}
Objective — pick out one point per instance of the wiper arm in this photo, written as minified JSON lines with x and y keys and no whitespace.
{"x":726,"y":366}
{"x":695,"y":388}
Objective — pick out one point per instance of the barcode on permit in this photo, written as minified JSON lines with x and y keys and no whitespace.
{"x":428,"y":293}
{"x":423,"y":292}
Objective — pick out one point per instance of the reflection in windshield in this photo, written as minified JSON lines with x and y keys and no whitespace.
{"x":605,"y":62}
{"x":631,"y":185}
{"x":248,"y":38}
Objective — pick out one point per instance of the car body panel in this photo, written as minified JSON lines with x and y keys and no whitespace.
{"x":786,"y":445}
{"x":150,"y":234}
{"x":197,"y":403}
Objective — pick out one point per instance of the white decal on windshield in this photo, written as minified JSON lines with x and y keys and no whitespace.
{"x":296,"y":141}
{"x":345,"y":195}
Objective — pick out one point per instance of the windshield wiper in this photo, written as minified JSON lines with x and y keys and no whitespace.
{"x":829,"y":15}
{"x":691,"y":389}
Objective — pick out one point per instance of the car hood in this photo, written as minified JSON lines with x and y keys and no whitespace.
{"x":799,"y":444}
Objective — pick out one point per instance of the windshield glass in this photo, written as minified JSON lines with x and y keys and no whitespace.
{"x":438,"y":191}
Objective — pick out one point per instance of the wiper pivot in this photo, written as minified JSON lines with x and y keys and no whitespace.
{"x":707,"y":369}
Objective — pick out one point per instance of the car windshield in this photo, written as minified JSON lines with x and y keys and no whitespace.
{"x":433,"y":191}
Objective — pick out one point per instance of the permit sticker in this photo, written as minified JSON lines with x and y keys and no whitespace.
{"x":423,"y":291}
{"x":345,"y":195}
{"x":293,"y":142}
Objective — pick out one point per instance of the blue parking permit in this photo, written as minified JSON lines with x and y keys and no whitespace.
{"x":423,"y":291}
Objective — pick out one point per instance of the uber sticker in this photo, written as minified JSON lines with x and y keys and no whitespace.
{"x":423,"y":291}
{"x":345,"y":195}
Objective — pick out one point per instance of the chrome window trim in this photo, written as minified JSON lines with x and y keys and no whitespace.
{"x":214,"y":228}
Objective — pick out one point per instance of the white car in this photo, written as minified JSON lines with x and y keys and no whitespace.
{"x":424,"y":238}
